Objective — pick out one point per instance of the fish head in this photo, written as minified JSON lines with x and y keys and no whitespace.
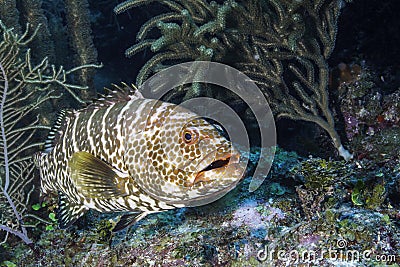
{"x":190,"y":162}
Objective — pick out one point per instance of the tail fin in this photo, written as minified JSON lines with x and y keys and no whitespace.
{"x":41,"y":158}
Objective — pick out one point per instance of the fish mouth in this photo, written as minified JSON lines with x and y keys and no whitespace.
{"x":218,"y":165}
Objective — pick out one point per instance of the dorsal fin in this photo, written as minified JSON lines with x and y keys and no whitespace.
{"x":118,"y":93}
{"x":56,"y":130}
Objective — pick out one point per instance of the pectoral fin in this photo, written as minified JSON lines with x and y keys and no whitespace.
{"x":95,"y":178}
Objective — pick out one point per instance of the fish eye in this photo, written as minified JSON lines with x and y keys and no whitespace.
{"x":190,"y":136}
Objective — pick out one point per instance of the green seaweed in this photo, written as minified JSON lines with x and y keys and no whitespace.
{"x":104,"y":231}
{"x":8,"y":264}
{"x":319,"y":174}
{"x":370,"y":196}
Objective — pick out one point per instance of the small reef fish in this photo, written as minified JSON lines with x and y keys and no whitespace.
{"x":125,"y":153}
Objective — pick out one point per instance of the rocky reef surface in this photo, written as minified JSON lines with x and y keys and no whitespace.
{"x":308,"y":211}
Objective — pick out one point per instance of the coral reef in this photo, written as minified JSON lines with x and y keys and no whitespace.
{"x":371,"y":115}
{"x":283,"y":46}
{"x":249,"y":229}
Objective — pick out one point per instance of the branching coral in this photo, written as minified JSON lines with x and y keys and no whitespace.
{"x":43,"y":45}
{"x":9,"y":13}
{"x":24,"y":88}
{"x":56,"y":19}
{"x":78,"y":19}
{"x":282,"y":45}
{"x":13,"y":12}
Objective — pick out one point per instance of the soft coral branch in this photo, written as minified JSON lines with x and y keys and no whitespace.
{"x":23,"y":234}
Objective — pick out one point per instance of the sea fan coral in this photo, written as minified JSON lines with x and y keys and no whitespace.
{"x":24,"y":88}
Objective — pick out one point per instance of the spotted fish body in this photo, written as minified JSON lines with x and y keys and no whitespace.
{"x":126,"y":153}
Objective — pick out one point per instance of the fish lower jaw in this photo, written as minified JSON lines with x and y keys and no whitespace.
{"x":217,"y":167}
